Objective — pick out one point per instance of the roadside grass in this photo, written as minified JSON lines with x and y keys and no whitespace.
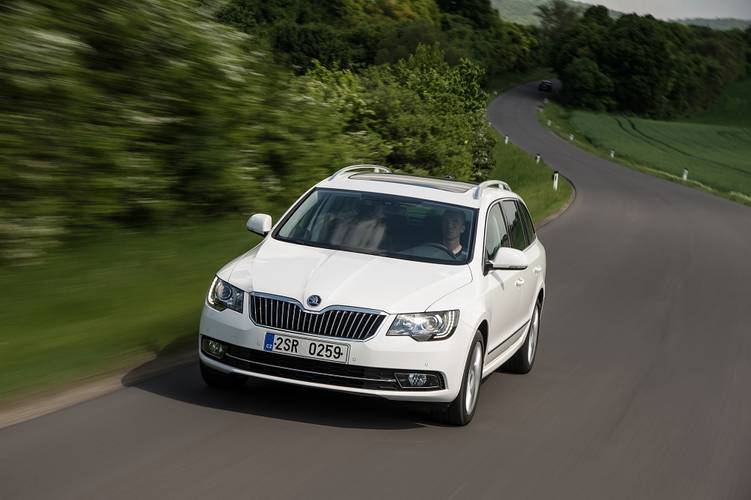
{"x":99,"y":306}
{"x":531,"y":180}
{"x":716,"y":156}
{"x":109,"y":302}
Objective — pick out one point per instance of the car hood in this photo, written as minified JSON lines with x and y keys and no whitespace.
{"x":343,"y":278}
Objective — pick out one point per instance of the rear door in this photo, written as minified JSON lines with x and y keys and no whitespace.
{"x":513,"y":213}
{"x":536,"y":255}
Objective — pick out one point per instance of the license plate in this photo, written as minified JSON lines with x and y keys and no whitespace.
{"x":305,"y":348}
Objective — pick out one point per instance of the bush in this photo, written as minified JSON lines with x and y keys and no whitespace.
{"x":115,"y":112}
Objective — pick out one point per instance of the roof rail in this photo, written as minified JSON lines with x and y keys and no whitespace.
{"x":364,"y":166}
{"x":490,"y":184}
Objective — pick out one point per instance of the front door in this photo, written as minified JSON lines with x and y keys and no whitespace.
{"x":502,"y":290}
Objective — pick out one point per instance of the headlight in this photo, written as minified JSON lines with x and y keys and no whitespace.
{"x":223,"y":296}
{"x":425,"y":326}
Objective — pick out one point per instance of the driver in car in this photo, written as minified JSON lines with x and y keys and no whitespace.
{"x":452,"y":228}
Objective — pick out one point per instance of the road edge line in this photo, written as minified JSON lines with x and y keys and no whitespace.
{"x":50,"y":402}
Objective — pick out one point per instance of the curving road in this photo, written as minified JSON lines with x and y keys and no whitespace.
{"x":642,"y":387}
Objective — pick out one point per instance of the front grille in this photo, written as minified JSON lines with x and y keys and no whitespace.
{"x":313,"y":370}
{"x":289,"y":315}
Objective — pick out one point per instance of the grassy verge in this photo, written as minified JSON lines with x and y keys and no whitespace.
{"x":531,"y":180}
{"x":101,"y":306}
{"x":715,"y":155}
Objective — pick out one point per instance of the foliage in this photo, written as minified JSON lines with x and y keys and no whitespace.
{"x":116,"y":115}
{"x":428,"y":115}
{"x":132,"y":115}
{"x":589,"y":83}
{"x":356,"y":34}
{"x":639,"y":64}
{"x":556,"y":19}
{"x":99,"y":120}
{"x":432,"y":115}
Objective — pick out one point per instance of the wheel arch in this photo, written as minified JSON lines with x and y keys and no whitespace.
{"x":483,"y":328}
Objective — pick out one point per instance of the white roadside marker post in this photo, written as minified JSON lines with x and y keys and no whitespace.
{"x":571,"y":137}
{"x":505,"y":141}
{"x":612,"y":153}
{"x":555,"y":181}
{"x":537,"y":158}
{"x":685,"y":174}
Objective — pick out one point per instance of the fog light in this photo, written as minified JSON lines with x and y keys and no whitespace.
{"x":213,"y":347}
{"x":418,"y":380}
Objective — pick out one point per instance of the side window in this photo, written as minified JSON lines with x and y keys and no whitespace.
{"x":527,"y":219}
{"x":495,"y":232}
{"x":515,"y":225}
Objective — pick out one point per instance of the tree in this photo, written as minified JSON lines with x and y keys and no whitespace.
{"x":480,"y":13}
{"x":556,"y":19}
{"x":586,"y":85}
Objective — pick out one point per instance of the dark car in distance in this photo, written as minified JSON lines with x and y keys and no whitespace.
{"x":545,"y":86}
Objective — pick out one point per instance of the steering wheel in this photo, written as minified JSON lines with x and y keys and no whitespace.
{"x":440,"y":246}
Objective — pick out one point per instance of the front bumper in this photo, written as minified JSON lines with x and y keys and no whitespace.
{"x":371,"y":369}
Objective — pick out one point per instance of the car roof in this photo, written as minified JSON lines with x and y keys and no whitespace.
{"x":449,"y":185}
{"x":412,"y":186}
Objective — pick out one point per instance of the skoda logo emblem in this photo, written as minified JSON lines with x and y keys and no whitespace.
{"x":314,"y":300}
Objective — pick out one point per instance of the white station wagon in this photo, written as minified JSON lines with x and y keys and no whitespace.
{"x":403,"y":287}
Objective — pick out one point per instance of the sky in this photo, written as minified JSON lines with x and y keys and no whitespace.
{"x":673,"y":9}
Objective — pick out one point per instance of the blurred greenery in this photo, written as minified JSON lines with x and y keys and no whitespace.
{"x":141,"y":114}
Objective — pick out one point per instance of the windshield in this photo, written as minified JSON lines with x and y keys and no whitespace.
{"x":382,"y":224}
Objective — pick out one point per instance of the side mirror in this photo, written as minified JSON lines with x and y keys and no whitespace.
{"x":509,"y":259}
{"x":259,"y":224}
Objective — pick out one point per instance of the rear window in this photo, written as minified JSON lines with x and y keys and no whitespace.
{"x":527,"y":219}
{"x":515,"y":225}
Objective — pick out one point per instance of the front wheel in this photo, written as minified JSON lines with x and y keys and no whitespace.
{"x":523,"y":359}
{"x":462,"y":409}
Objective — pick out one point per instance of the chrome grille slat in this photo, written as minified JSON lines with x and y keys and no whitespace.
{"x":326,"y":323}
{"x":368,"y":323}
{"x":347,"y":325}
{"x":289,"y":315}
{"x":357,"y":326}
{"x":338,"y":319}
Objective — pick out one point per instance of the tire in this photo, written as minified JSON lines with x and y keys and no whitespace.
{"x":462,"y":409}
{"x":523,"y":359}
{"x":216,"y":378}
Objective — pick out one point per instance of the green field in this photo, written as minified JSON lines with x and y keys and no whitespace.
{"x":718,"y":157}
{"x":107,"y":303}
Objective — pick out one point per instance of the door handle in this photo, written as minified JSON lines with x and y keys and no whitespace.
{"x":519,"y":282}
{"x":537,"y":269}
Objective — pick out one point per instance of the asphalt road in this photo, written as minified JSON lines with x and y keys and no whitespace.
{"x":642,"y":387}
